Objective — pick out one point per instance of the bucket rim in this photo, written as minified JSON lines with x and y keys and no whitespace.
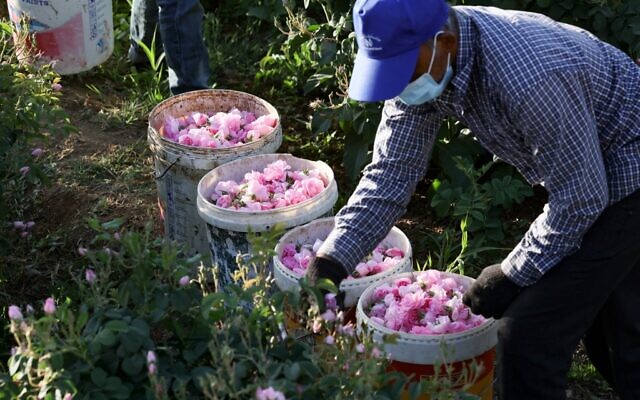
{"x":488,"y":324}
{"x":153,"y":132}
{"x":352,"y":283}
{"x":322,"y":164}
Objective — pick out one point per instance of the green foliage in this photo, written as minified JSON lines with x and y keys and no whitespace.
{"x":479,"y":192}
{"x":139,"y":329}
{"x":31,"y":115}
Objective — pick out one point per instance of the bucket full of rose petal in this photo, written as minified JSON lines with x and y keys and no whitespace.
{"x":253,"y":194}
{"x":436,"y":335}
{"x":195,"y":132}
{"x":298,"y":247}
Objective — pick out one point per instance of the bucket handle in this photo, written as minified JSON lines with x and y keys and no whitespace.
{"x":167,"y":169}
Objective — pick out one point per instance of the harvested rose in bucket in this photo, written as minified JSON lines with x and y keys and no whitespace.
{"x":276,"y":186}
{"x":430,"y":304}
{"x":297,"y":259}
{"x":219,"y":130}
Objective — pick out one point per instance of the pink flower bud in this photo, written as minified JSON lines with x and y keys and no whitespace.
{"x":151,"y":357}
{"x":19,"y":225}
{"x":15,"y":314}
{"x":24,"y":234}
{"x":37,"y":152}
{"x":116,"y":236}
{"x":82,"y":251}
{"x":56,"y":87}
{"x":330,"y":340}
{"x":25,"y":170}
{"x":152,"y":369}
{"x":89,"y":275}
{"x":68,"y":396}
{"x":49,"y":306}
{"x":184,"y":281}
{"x":360,"y":347}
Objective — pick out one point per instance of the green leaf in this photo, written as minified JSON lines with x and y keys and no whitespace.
{"x":117,"y":326}
{"x":113,"y":224}
{"x":99,"y":377}
{"x":180,"y":300}
{"x":106,"y":338}
{"x":133,"y":365}
{"x":292,"y":372}
{"x":131,"y":341}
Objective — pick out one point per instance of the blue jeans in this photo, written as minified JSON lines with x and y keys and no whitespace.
{"x":180,"y":31}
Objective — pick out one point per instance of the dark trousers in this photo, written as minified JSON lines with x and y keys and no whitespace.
{"x":593,"y":295}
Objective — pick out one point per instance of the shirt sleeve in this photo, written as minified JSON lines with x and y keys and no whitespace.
{"x":401,"y":152}
{"x":558,"y":121}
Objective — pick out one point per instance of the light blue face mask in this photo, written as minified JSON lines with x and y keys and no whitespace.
{"x":425,"y":88}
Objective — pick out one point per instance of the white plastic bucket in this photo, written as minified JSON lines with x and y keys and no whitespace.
{"x":421,"y":355}
{"x":76,"y":35}
{"x":227,"y":228}
{"x":353,"y":288}
{"x":179,"y":168}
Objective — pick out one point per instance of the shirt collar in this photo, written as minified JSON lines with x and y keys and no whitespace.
{"x":464,"y":61}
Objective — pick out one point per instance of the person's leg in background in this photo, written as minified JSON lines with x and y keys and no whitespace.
{"x":142,"y":26}
{"x":541,"y":329}
{"x":181,"y":23}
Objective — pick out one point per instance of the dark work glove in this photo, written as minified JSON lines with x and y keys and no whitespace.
{"x":324,"y":267}
{"x":491,"y":293}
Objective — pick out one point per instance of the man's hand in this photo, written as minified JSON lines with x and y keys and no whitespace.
{"x":491,"y":293}
{"x":324,"y":267}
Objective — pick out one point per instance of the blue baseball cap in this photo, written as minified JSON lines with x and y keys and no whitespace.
{"x":389,"y":35}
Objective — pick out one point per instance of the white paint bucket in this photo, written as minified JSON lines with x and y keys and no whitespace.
{"x":227,"y":228}
{"x":353,"y":288}
{"x":76,"y":35}
{"x":179,"y":168}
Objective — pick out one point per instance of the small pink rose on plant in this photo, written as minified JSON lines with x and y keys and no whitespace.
{"x":14,"y":313}
{"x":269,"y":394}
{"x":90,"y":275}
{"x":49,"y":306}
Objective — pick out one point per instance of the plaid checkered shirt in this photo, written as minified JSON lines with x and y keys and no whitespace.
{"x":551,"y":99}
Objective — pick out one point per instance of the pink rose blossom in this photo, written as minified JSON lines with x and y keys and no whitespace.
{"x":15,"y":314}
{"x":217,"y":130}
{"x":49,"y":306}
{"x":430,"y":304}
{"x":90,"y":275}
{"x":151,"y":357}
{"x":264,"y":190}
{"x":328,"y":316}
{"x":297,"y":258}
{"x":317,"y":325}
{"x":269,"y":394}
